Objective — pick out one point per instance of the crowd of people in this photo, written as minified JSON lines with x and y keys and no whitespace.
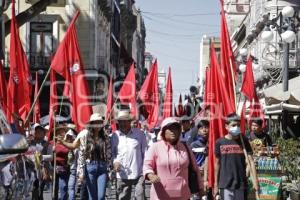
{"x":165,"y":156}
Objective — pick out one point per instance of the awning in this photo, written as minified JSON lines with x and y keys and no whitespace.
{"x":276,"y":109}
{"x":275,"y":94}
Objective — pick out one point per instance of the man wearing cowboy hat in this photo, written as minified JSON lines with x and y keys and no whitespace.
{"x":128,"y":149}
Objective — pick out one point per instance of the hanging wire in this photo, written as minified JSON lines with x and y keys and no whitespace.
{"x":179,"y":15}
{"x":168,"y":19}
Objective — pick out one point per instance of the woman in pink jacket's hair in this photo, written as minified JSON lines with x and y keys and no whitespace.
{"x":166,"y":164}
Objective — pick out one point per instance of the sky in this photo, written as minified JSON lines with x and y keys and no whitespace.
{"x":174,"y":29}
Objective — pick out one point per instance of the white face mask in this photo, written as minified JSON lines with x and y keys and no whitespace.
{"x":235,"y":131}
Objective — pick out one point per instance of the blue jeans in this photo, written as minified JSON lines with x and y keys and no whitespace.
{"x":96,"y":179}
{"x":61,"y":188}
{"x":72,"y":184}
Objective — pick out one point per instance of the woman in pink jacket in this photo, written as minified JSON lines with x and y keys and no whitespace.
{"x":166,"y":164}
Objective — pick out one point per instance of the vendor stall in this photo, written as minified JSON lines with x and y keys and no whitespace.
{"x":268,"y":171}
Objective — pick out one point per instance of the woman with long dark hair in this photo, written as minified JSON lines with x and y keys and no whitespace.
{"x":94,"y":156}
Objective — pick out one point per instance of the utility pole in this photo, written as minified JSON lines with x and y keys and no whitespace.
{"x":285,"y":66}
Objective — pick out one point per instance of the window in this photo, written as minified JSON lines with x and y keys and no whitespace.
{"x":41,"y":44}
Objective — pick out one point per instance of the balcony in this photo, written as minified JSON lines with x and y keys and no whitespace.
{"x":38,"y":60}
{"x":35,"y":60}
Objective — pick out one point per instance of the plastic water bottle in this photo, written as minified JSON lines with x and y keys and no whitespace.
{"x":259,"y":164}
{"x":276,"y":167}
{"x":268,"y":164}
{"x":263,"y":164}
{"x":273,"y":167}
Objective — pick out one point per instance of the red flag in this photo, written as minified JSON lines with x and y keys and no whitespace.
{"x":180,"y":110}
{"x":219,"y":108}
{"x":18,"y":88}
{"x":218,"y":86}
{"x":109,"y":106}
{"x":3,"y":88}
{"x":248,"y":87}
{"x":149,"y":95}
{"x":243,"y":118}
{"x":175,"y":111}
{"x":37,"y":110}
{"x":127,"y":93}
{"x":200,"y":115}
{"x":68,"y":63}
{"x":52,"y":103}
{"x":168,"y":100}
{"x":228,"y":64}
{"x":109,"y":102}
{"x":256,"y":111}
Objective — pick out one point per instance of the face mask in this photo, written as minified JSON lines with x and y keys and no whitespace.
{"x":235,"y":131}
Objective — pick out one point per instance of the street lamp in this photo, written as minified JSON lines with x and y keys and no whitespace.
{"x":243,"y":60}
{"x":243,"y":54}
{"x":267,"y":35}
{"x":242,"y":67}
{"x":286,"y":30}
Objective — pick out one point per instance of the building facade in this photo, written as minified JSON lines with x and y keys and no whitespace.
{"x":269,"y":55}
{"x":246,"y":21}
{"x":111,"y":35}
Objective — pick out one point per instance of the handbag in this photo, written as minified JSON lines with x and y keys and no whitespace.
{"x":192,"y":175}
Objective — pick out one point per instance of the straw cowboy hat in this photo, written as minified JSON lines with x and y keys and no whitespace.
{"x":37,"y":125}
{"x":124,"y":115}
{"x":71,"y":126}
{"x":96,"y":117}
{"x":61,"y":126}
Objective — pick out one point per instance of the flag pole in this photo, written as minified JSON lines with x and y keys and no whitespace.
{"x":241,"y":137}
{"x":60,"y":106}
{"x":112,"y":108}
{"x":37,"y":96}
{"x":54,"y":154}
{"x":233,"y":81}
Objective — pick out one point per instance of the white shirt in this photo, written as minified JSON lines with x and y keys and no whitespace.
{"x":129,"y":151}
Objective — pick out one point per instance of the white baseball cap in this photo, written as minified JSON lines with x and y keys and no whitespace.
{"x":167,"y":122}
